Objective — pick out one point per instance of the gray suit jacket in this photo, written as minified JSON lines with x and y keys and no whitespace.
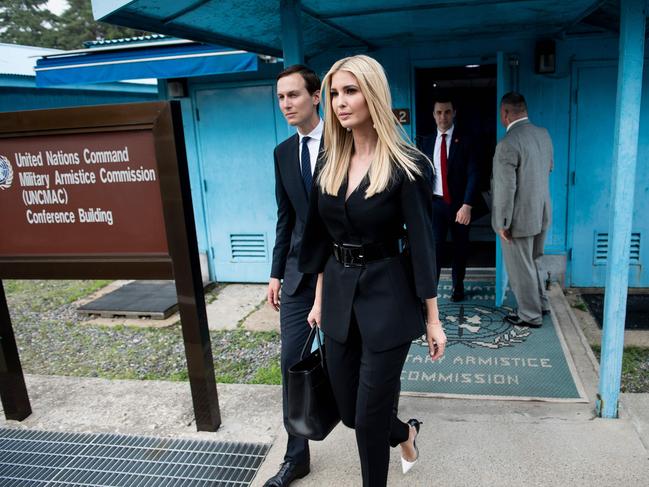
{"x":520,"y":186}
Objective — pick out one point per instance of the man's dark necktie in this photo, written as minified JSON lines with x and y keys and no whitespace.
{"x":444,"y":163}
{"x":306,"y":166}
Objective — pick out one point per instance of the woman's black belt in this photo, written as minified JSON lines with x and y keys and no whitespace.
{"x":357,"y":255}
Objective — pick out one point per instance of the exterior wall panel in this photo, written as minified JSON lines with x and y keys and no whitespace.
{"x":15,"y":99}
{"x":552,"y":101}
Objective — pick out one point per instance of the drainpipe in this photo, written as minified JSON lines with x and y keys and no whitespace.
{"x":625,"y":154}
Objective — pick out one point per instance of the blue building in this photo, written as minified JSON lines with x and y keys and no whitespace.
{"x":562,"y":56}
{"x":579,"y":63}
{"x":19,"y":90}
{"x":220,"y":90}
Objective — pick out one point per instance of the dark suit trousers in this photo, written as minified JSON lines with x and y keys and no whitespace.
{"x":365,"y":384}
{"x":294,"y":331}
{"x":443,"y":221}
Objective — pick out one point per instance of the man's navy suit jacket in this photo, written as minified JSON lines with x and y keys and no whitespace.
{"x":463,"y":175}
{"x":292,"y":208}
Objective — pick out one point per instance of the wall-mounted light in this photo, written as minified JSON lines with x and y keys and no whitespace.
{"x":472,"y":66}
{"x":177,"y":88}
{"x":545,"y":59}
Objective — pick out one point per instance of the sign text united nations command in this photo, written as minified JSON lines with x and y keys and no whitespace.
{"x":84,"y":189}
{"x":53,"y":186}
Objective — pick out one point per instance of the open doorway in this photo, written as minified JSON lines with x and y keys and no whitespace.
{"x":473,"y":92}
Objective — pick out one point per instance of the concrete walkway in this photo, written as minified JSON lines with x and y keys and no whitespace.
{"x":463,"y":442}
{"x":503,"y":443}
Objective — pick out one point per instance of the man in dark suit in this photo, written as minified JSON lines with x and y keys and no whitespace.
{"x":298,"y":93}
{"x":455,"y":190}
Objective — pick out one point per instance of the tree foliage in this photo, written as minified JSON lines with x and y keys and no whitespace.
{"x":77,"y":25}
{"x":29,"y":22}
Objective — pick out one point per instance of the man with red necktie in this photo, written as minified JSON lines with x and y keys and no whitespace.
{"x":455,"y":189}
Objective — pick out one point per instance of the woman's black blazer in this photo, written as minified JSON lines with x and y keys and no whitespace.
{"x":386,"y":295}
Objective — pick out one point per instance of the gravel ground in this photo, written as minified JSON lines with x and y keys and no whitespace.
{"x":635,"y":369}
{"x":54,"y":340}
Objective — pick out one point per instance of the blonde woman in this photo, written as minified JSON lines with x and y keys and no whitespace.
{"x":369,"y":237}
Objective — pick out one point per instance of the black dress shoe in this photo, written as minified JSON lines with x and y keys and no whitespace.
{"x":288,"y":472}
{"x":456,"y":297}
{"x":517,"y":321}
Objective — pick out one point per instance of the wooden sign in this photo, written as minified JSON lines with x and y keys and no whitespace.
{"x":93,"y":193}
{"x":101,"y":192}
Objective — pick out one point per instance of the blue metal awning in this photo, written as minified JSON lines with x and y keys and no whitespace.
{"x":180,"y":60}
{"x":256,"y":25}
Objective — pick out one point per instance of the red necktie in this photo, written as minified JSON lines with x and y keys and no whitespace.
{"x":443,"y":162}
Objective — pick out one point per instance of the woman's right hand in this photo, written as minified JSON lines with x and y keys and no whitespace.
{"x":314,"y":316}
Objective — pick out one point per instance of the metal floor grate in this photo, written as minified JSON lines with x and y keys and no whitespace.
{"x":156,"y":300}
{"x":41,"y":458}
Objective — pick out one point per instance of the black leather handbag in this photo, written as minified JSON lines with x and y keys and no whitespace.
{"x":312,"y":411}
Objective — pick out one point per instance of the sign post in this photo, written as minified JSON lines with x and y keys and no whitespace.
{"x":102,"y":192}
{"x":13,"y":391}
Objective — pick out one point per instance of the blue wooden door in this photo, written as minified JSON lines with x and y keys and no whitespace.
{"x":590,"y":181}
{"x":237,"y":132}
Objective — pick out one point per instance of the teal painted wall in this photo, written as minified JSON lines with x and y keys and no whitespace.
{"x":20,"y":93}
{"x":551,"y":101}
{"x":552,"y":104}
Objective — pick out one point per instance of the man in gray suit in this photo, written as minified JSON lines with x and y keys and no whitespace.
{"x":521,"y":206}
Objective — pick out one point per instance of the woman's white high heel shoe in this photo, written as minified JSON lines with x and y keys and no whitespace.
{"x":405,"y":464}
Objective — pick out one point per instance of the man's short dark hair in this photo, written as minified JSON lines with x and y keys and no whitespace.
{"x":514,"y":103}
{"x":444,"y":99}
{"x":311,"y":79}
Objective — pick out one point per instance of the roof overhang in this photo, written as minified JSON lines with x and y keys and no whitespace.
{"x":177,"y":59}
{"x":255,"y":25}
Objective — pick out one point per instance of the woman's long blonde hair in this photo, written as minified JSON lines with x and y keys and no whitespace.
{"x":393,"y":150}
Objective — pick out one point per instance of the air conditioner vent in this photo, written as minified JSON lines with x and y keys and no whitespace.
{"x":600,"y":249}
{"x":248,"y":247}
